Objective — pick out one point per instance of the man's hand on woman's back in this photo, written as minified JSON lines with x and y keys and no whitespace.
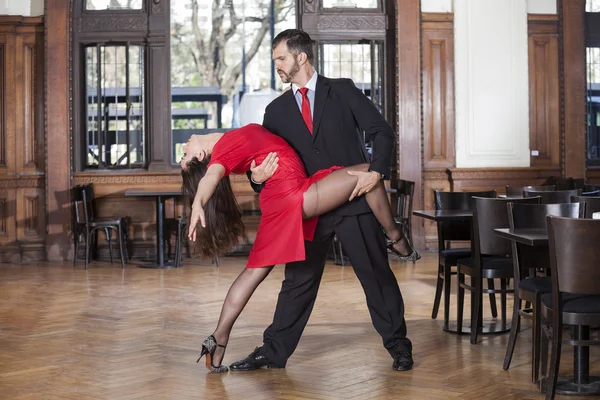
{"x":261,"y":173}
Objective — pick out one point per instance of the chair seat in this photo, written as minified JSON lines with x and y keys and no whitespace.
{"x":492,"y":267}
{"x":105,"y":221}
{"x":576,"y":303}
{"x":541,"y":284}
{"x":455,"y":254}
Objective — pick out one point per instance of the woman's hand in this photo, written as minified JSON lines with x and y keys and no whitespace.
{"x":197,"y":216}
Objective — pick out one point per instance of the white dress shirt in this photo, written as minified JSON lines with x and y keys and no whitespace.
{"x":311,"y":85}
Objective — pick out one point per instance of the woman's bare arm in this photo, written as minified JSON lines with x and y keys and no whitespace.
{"x":206,"y":188}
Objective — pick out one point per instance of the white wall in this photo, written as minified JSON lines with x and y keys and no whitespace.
{"x":28,"y":8}
{"x":533,"y":6}
{"x":439,"y":6}
{"x":541,"y":7}
{"x":492,"y":93}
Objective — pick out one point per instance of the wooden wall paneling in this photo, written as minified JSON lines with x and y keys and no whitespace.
{"x":31,"y":223}
{"x":409,"y":103}
{"x":475,"y":179}
{"x":57,"y":113}
{"x":9,"y":248}
{"x":573,"y":113}
{"x":7,"y":38}
{"x":25,"y":78}
{"x":3,"y":129}
{"x":23,"y":223}
{"x":544,"y":90}
{"x":438,"y":90}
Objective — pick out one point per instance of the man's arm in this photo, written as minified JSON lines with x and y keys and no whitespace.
{"x":376,"y":129}
{"x":259,"y":174}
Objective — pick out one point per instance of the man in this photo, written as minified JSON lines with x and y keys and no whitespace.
{"x":321,"y":119}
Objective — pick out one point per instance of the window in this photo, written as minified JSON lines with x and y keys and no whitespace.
{"x":211,"y":72}
{"x":593,"y":103}
{"x":592,"y":42}
{"x":114,"y":116}
{"x":359,"y":61}
{"x":113,"y":4}
{"x":350,"y":3}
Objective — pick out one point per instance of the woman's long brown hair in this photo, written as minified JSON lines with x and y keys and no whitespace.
{"x":224,"y":226}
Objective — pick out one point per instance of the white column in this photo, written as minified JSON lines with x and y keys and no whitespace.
{"x":492,"y":93}
{"x":37,"y":8}
{"x":27,"y":8}
{"x":19,"y":7}
{"x":541,"y":7}
{"x":438,"y":6}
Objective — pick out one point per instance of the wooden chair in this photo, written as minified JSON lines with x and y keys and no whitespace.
{"x":553,"y":197}
{"x":404,"y":201}
{"x":87,"y":223}
{"x":516,"y":191}
{"x":527,"y":261}
{"x":592,"y":204}
{"x":575,"y":297}
{"x":448,"y":257}
{"x":491,"y":259}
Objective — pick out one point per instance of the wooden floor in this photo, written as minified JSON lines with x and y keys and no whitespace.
{"x":109,"y":333}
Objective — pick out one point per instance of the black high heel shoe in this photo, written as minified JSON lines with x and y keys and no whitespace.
{"x":413,"y":256}
{"x":208,"y":349}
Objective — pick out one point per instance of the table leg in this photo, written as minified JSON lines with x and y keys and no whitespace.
{"x":160,"y":236}
{"x":581,"y":383}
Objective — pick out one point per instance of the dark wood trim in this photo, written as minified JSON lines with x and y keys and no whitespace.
{"x":571,"y":13}
{"x":410,"y":132}
{"x":58,"y":160}
{"x":544,"y":88}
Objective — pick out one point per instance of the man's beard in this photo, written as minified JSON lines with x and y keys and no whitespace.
{"x":288,"y":76}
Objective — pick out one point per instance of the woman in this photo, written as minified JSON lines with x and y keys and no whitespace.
{"x":290,"y":203}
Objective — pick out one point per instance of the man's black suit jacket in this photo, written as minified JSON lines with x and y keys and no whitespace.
{"x":341,"y":113}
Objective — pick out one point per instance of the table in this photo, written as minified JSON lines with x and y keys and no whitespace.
{"x":581,"y":383}
{"x":160,"y":194}
{"x":444,"y":215}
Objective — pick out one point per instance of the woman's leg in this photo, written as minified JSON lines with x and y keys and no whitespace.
{"x":335,"y":189}
{"x":239,"y":293}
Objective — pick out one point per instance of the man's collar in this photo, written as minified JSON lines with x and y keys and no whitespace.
{"x":311,"y":84}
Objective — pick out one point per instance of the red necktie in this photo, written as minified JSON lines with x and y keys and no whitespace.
{"x":306,"y":109}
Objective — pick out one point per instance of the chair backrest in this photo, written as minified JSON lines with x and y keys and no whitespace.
{"x":590,"y":187}
{"x":558,"y":196}
{"x":456,"y":230}
{"x":79,"y":214}
{"x":404,"y":198}
{"x":517,"y":191}
{"x":533,"y":216}
{"x":490,"y":214}
{"x":593,"y":193}
{"x":574,"y":255}
{"x":592,"y":204}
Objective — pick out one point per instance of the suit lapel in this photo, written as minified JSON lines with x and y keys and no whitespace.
{"x":321,"y":94}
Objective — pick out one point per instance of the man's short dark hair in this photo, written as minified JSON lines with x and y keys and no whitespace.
{"x":297,"y":42}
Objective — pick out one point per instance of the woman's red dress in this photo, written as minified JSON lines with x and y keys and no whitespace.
{"x":282,"y":231}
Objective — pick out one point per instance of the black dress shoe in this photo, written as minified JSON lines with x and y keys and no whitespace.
{"x":403,"y":361}
{"x":254,"y":361}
